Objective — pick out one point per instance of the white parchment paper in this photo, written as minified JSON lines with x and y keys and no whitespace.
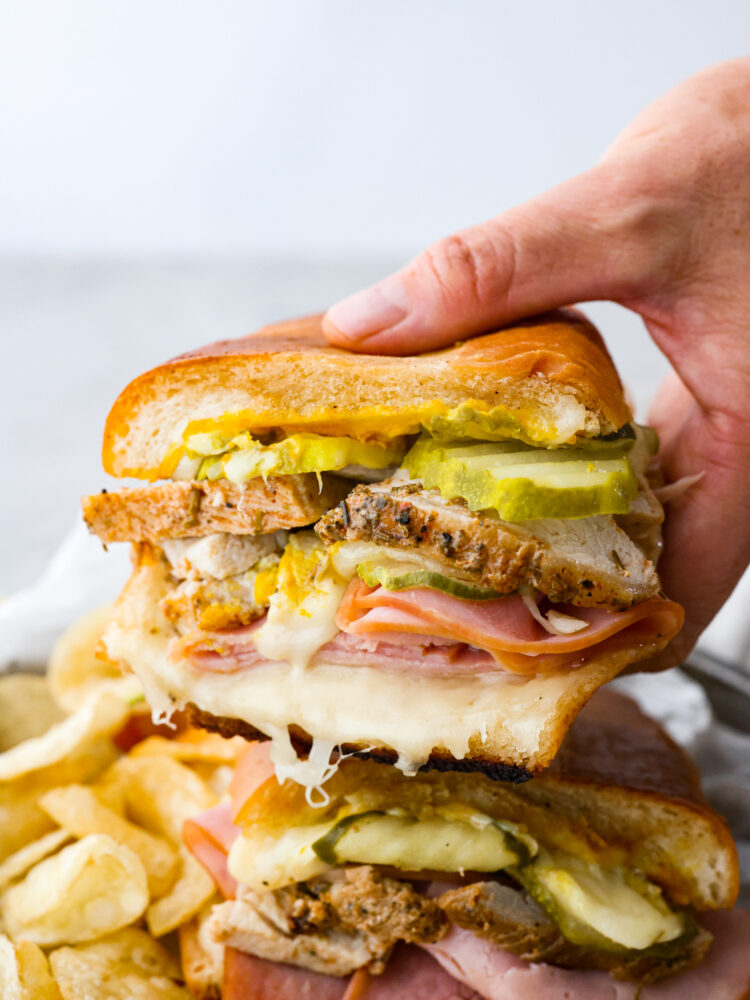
{"x":82,"y":576}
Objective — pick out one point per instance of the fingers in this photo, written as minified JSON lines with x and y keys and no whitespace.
{"x":706,"y":544}
{"x":580,"y":241}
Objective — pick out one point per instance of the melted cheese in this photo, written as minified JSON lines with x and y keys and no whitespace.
{"x":312,"y":772}
{"x":381,"y":424}
{"x":302,"y":612}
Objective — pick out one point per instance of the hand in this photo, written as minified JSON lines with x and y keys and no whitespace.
{"x":660,"y":225}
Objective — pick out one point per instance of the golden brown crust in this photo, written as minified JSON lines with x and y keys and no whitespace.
{"x":288,"y":376}
{"x":185,"y":509}
{"x":612,"y":752}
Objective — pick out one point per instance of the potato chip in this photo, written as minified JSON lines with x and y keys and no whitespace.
{"x":202,"y":958}
{"x":193,"y":888}
{"x":27,"y":709}
{"x":89,"y":889}
{"x":78,"y":810}
{"x":15,"y":866}
{"x":193,"y":746}
{"x":128,"y":965}
{"x":160,"y":793}
{"x":25,"y":972}
{"x":76,"y":670}
{"x":218,"y":779}
{"x":99,"y":717}
{"x":21,"y":819}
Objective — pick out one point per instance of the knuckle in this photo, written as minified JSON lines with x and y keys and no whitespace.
{"x":470,"y":267}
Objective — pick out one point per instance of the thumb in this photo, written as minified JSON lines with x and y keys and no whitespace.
{"x":585,"y":239}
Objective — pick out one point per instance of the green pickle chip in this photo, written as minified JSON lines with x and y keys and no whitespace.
{"x":404,"y":842}
{"x":394,"y":576}
{"x":612,"y":910}
{"x":522,"y":482}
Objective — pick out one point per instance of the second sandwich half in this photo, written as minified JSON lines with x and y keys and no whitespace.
{"x":432,"y":560}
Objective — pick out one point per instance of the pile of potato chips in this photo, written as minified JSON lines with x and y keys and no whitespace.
{"x":94,"y":877}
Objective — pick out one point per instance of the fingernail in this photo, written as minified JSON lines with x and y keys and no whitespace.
{"x":370,"y":311}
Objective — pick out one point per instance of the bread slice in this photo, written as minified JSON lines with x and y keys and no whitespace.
{"x":551,"y":375}
{"x":502,"y":722}
{"x":201,"y":958}
{"x":185,"y":509}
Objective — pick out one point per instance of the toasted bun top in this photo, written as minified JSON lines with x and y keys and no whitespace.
{"x":551,"y":376}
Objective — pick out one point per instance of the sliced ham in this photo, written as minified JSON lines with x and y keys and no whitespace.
{"x":498,"y":975}
{"x":225,"y":652}
{"x":433,"y":634}
{"x":409,"y":975}
{"x":234,"y":651}
{"x":407,"y":653}
{"x":249,"y":978}
{"x":502,"y":626}
{"x":209,"y":836}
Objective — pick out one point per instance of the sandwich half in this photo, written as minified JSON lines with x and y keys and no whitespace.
{"x":483,"y":555}
{"x":607,"y":877}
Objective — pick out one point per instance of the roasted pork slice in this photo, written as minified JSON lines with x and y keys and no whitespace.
{"x":220,"y":556}
{"x":334,"y":925}
{"x":511,"y":919}
{"x":584,"y":561}
{"x":189,"y":508}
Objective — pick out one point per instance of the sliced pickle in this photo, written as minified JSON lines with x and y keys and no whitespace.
{"x":242,"y":457}
{"x":301,"y":453}
{"x":608,"y":909}
{"x":467,"y":423}
{"x":471,"y":422}
{"x":392,"y":576}
{"x":618,"y":442}
{"x":404,"y":842}
{"x":521,"y":482}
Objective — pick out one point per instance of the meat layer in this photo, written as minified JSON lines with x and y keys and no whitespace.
{"x":333,"y":925}
{"x":509,"y":918}
{"x":584,"y":561}
{"x":353,"y":918}
{"x":185,"y":508}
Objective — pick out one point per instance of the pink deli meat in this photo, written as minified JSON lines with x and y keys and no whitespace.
{"x":498,"y":975}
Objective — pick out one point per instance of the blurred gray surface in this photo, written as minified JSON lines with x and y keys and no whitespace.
{"x":75,"y":332}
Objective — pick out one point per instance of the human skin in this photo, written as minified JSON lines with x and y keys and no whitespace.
{"x":660,"y":225}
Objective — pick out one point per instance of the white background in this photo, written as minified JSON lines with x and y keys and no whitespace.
{"x":308,"y":126}
{"x":174,"y":171}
